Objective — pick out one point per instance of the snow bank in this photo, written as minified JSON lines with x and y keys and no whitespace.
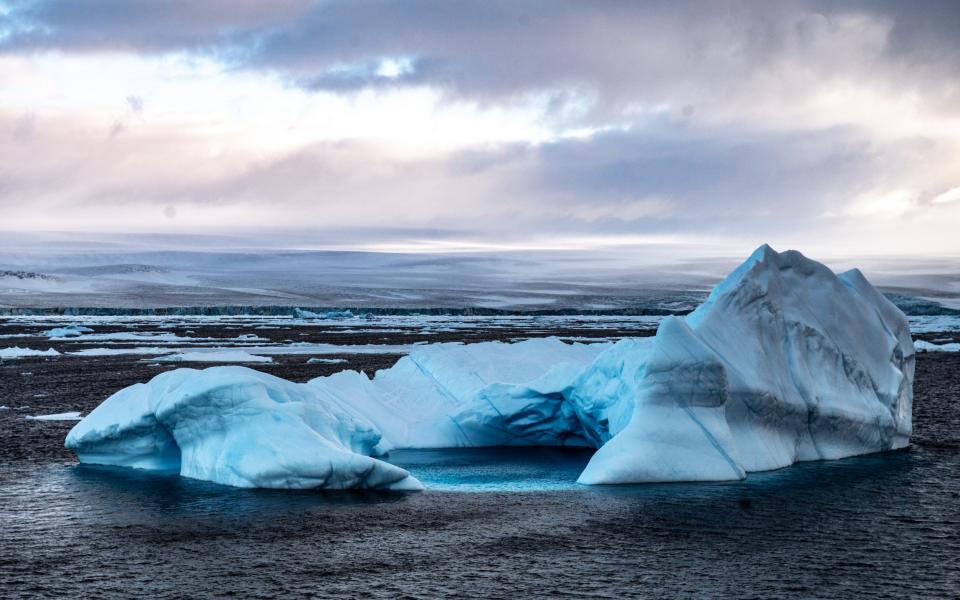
{"x":68,"y":331}
{"x":784,"y":362}
{"x":17,"y":352}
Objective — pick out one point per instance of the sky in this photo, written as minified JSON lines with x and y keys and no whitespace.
{"x":829,"y":127}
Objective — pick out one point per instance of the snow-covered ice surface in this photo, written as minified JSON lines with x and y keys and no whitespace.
{"x":784,"y":362}
{"x":17,"y":352}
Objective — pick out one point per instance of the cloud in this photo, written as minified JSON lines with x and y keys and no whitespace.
{"x":692,"y":53}
{"x":499,"y":119}
{"x":951,"y":195}
{"x":135,"y":103}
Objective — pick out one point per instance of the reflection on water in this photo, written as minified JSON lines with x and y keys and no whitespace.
{"x":117,"y":491}
{"x":133,"y":489}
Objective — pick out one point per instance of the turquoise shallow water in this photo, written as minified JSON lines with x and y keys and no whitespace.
{"x":509,"y":469}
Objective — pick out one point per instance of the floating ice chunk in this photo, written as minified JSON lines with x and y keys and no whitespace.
{"x":66,"y":416}
{"x":923,"y":346}
{"x":214,"y":356}
{"x":934,"y":323}
{"x":17,"y":352}
{"x":301,"y":313}
{"x":128,"y":336}
{"x":250,"y":337}
{"x":326,"y":361}
{"x":68,"y":331}
{"x":121,"y":351}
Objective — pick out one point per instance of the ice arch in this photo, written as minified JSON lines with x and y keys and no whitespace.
{"x":784,"y":362}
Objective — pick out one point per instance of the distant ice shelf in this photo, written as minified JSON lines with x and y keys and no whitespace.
{"x":784,"y":362}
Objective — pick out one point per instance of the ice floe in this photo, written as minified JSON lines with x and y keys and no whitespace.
{"x":67,"y":332}
{"x":65,"y":416}
{"x":17,"y":352}
{"x":923,"y":346}
{"x":215,"y":356}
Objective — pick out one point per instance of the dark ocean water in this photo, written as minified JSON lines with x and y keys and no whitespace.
{"x":504,"y":524}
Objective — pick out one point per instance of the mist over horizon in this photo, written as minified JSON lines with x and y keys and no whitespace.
{"x":169,"y":270}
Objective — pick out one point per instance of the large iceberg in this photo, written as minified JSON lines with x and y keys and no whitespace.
{"x":784,"y":362}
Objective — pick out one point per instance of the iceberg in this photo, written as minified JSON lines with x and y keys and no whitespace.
{"x":784,"y":362}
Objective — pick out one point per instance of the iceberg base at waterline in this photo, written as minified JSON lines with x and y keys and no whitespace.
{"x":785,"y":362}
